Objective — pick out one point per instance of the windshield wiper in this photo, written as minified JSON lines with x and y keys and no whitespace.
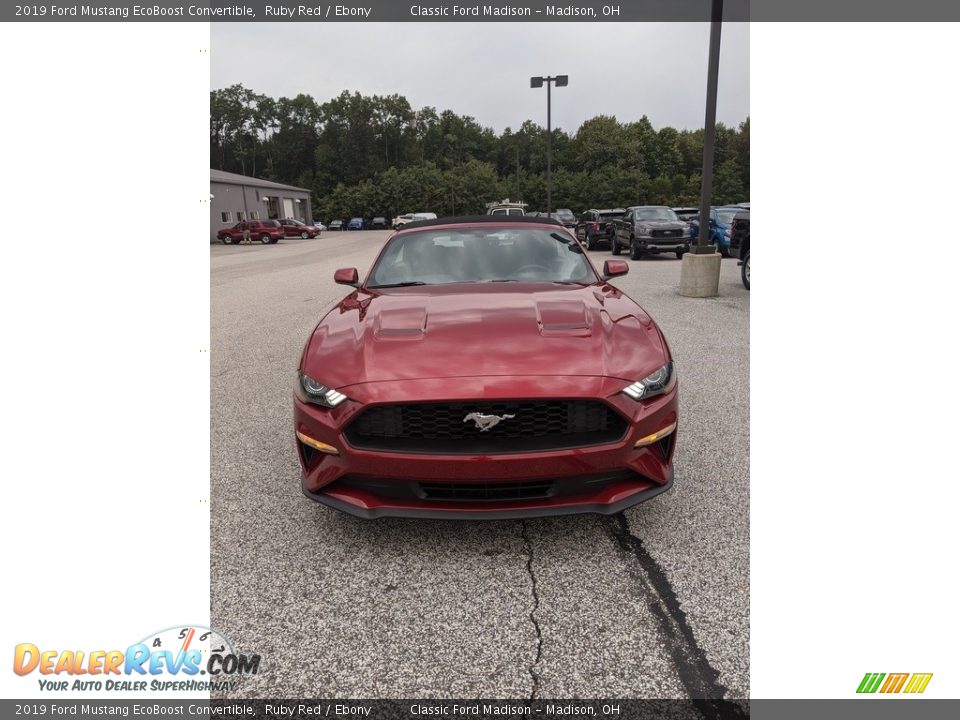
{"x":409,"y":283}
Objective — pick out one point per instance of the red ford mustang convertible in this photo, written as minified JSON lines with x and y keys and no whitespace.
{"x":485,"y":369}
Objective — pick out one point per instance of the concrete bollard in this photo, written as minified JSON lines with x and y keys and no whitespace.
{"x":700,"y":275}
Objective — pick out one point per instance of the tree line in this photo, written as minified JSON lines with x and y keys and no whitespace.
{"x":376,"y":155}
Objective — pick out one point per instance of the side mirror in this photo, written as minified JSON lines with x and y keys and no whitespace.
{"x":348,"y":276}
{"x":614,"y":268}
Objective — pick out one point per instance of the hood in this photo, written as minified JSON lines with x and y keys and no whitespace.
{"x":494,"y":330}
{"x":663,"y":224}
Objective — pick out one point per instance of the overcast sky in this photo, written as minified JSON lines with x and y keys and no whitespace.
{"x":484,"y":69}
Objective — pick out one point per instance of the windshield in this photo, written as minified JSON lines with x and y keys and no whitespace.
{"x":607,"y":217}
{"x":468,"y":255}
{"x":655,"y":213}
{"x":726,"y":216}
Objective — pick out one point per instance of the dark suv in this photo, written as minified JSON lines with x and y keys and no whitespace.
{"x":267,"y":232}
{"x":596,"y":227}
{"x":739,"y":234}
{"x":378,"y":223}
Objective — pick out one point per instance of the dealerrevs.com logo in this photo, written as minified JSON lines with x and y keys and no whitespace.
{"x":910,"y":683}
{"x":182,"y":659}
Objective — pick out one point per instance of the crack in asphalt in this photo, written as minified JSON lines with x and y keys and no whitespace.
{"x":535,"y":678}
{"x":698,"y":676}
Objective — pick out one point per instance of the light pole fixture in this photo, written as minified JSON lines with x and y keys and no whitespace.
{"x":709,"y":128}
{"x":537,"y":82}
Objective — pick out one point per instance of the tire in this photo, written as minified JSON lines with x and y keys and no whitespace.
{"x":265,"y":239}
{"x":635,"y":253}
{"x":615,"y":245}
{"x":680,"y":254}
{"x":745,"y":271}
{"x":226,"y":240}
{"x":591,"y":245}
{"x":724,"y":252}
{"x":305,"y":235}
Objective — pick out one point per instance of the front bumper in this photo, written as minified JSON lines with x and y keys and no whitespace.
{"x":654,"y":246}
{"x":602,"y":479}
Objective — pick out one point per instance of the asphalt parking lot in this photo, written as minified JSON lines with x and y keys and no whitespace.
{"x":651,"y":603}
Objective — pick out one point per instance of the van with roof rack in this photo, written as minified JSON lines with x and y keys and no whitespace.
{"x":506,"y":207}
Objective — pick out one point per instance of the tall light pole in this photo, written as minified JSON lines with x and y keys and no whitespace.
{"x":537,"y":82}
{"x":700,"y":274}
{"x":709,"y":127}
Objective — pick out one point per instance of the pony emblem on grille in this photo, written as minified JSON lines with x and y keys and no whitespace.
{"x":485,"y":422}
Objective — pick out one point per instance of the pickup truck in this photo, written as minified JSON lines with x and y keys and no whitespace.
{"x":650,"y":230}
{"x":739,"y":234}
{"x":595,"y":227}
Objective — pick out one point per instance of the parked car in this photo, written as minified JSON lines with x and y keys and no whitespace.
{"x":292,"y":228}
{"x":266,"y":231}
{"x":566,"y":217}
{"x":650,"y":230}
{"x":399,"y":222}
{"x":336,"y":225}
{"x":596,"y":227}
{"x":687,"y":214}
{"x":389,"y":384}
{"x":739,"y":234}
{"x":378,"y":223}
{"x":506,"y":207}
{"x":720,"y":220}
{"x":357,"y":224}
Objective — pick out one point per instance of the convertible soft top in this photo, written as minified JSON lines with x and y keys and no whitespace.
{"x":482,"y":219}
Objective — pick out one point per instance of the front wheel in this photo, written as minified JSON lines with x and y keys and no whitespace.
{"x":305,"y":235}
{"x":680,"y":254}
{"x":265,"y":239}
{"x":745,"y":271}
{"x":635,"y":252}
{"x":724,"y":251}
{"x":615,"y":245}
{"x":226,"y":240}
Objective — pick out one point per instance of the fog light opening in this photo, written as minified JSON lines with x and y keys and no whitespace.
{"x":654,"y":437}
{"x":316,"y":444}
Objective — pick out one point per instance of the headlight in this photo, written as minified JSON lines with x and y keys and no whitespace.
{"x":658,"y":383}
{"x":643,"y":230}
{"x":309,"y":390}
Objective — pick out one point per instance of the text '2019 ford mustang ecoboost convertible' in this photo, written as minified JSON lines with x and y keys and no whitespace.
{"x":485,"y":369}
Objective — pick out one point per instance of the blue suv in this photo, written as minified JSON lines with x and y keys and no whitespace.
{"x":721,"y":219}
{"x":357,"y":224}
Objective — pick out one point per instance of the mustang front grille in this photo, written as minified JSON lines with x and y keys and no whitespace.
{"x":486,"y":427}
{"x":486,"y":491}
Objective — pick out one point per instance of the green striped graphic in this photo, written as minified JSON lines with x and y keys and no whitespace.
{"x":870,"y":682}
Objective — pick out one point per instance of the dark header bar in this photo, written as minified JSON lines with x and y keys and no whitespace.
{"x":53,"y":708}
{"x":442,"y":11}
{"x":375,"y":11}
